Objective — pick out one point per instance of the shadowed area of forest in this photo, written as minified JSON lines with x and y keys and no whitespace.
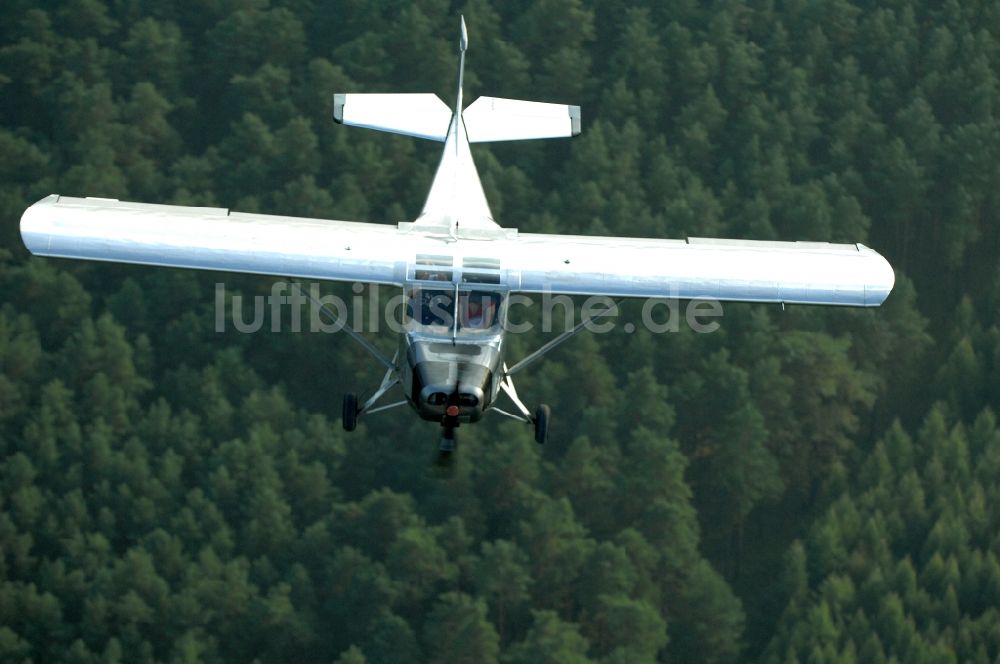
{"x":803,"y":485}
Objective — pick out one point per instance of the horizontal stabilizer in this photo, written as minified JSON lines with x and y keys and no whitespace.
{"x":423,"y":115}
{"x":495,"y":119}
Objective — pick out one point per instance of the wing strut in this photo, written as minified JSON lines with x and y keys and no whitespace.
{"x":390,"y":380}
{"x":369,"y":346}
{"x":507,"y":384}
{"x":537,"y":355}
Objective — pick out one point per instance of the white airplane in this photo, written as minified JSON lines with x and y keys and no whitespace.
{"x":457,"y":267}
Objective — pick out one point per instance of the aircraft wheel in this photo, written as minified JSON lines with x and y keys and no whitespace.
{"x":542,"y":415}
{"x":349,"y":416}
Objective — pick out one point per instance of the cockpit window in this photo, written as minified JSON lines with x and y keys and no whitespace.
{"x":434,"y":310}
{"x":430,"y":306}
{"x":477,"y":310}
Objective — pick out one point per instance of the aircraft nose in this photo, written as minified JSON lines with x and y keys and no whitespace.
{"x":442,"y":384}
{"x":434,"y":395}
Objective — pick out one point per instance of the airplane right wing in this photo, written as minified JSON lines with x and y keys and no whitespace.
{"x":731,"y":270}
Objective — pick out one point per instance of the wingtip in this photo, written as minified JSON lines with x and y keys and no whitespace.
{"x":338,"y":107}
{"x":34,"y":225}
{"x":882,"y":279}
{"x":574,"y":118}
{"x":463,"y":43}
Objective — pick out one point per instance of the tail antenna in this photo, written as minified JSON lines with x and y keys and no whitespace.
{"x":463,"y":43}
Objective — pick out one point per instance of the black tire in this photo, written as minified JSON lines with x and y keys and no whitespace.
{"x":350,"y":413}
{"x":542,"y":415}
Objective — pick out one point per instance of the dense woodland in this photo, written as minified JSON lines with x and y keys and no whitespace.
{"x":806,"y":485}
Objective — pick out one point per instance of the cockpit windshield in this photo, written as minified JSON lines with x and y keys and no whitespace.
{"x":433,"y":310}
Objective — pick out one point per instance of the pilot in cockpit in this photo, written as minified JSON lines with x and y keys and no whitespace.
{"x":434,"y":308}
{"x":479,"y":310}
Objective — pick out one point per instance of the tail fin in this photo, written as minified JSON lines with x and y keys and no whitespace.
{"x":423,"y":115}
{"x":494,"y":119}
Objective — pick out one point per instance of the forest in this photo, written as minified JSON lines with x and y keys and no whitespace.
{"x":806,"y":484}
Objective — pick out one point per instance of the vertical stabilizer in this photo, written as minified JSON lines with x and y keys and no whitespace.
{"x":456,"y":200}
{"x":456,"y":204}
{"x":463,"y":45}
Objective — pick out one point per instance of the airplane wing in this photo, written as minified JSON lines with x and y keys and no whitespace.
{"x":215,"y":239}
{"x":731,"y":270}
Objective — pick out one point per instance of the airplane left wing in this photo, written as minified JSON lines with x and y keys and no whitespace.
{"x":216,"y":239}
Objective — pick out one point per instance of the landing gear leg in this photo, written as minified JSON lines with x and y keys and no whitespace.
{"x":540,"y":420}
{"x":353,"y":410}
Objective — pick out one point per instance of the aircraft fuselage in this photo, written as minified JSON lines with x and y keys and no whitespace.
{"x":451,"y":356}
